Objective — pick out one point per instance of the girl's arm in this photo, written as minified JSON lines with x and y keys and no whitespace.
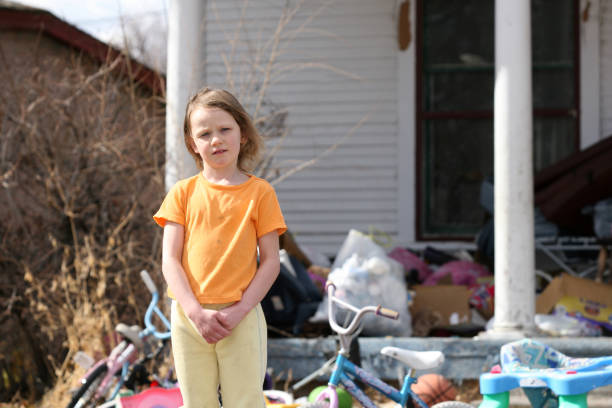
{"x":268,"y":270}
{"x":172,"y":251}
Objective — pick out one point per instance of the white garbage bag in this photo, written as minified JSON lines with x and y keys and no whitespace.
{"x":364,"y":275}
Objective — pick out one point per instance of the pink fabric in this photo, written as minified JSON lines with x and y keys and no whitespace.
{"x":154,"y":398}
{"x":411,"y":261}
{"x":461,"y":273}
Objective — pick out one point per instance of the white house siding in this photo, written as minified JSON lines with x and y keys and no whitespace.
{"x":606,"y":66}
{"x":348,"y":74}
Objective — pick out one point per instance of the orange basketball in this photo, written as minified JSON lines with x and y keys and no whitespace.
{"x":434,"y":388}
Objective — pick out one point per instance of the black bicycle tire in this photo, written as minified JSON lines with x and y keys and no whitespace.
{"x":87,"y":382}
{"x":452,"y":404}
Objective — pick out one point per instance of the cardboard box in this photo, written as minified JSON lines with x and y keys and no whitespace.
{"x":445,"y":299}
{"x":584,"y":298}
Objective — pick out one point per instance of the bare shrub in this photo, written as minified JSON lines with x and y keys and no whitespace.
{"x":81,"y":156}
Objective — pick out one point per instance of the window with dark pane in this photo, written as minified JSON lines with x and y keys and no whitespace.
{"x":455,"y":106}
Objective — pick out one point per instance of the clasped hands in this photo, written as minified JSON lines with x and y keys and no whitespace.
{"x":215,"y":325}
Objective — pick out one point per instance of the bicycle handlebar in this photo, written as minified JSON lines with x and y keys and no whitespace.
{"x":359,"y":312}
{"x":148,"y":281}
{"x":153,"y":308}
{"x":388,"y":313}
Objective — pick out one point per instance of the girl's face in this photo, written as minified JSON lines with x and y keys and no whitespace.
{"x":216,"y":137}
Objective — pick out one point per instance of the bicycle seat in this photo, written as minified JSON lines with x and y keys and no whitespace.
{"x":419,"y":360}
{"x":130,"y":333}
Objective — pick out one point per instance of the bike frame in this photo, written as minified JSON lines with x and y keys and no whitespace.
{"x":346,"y":370}
{"x":119,"y":359}
{"x":125,"y":353}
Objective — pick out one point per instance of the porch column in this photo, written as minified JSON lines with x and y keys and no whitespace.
{"x":184,"y":75}
{"x":513,"y":191}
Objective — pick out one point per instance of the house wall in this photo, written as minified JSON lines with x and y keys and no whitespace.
{"x":336,"y":66}
{"x":605,"y":41}
{"x":336,"y":72}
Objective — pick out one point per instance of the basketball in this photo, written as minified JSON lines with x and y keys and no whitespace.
{"x":434,"y":388}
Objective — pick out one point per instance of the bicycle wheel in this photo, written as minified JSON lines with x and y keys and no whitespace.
{"x":84,"y":397}
{"x":452,"y":404}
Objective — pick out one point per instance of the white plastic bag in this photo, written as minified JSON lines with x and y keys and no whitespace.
{"x":357,"y":243}
{"x":364,"y":275}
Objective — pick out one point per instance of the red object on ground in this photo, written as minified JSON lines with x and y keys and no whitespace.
{"x":496,"y":369}
{"x":154,"y":398}
{"x":434,"y":388}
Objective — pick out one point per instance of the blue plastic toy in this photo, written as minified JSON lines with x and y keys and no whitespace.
{"x":550,"y":379}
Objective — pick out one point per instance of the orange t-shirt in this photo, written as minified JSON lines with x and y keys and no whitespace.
{"x":222,"y":224}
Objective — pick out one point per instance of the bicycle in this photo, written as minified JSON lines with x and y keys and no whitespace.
{"x":123,"y":367}
{"x":345,"y":371}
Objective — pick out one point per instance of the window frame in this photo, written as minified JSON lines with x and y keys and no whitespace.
{"x":422,"y":116}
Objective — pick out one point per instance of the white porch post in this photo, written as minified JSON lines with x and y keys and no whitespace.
{"x":183,"y":77}
{"x":513,"y":191}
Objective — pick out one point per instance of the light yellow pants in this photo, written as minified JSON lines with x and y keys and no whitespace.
{"x":237,"y":363}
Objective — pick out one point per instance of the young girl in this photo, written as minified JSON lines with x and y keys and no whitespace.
{"x":213,"y":223}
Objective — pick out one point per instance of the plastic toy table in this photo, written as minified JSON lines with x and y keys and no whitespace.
{"x":549,"y":378}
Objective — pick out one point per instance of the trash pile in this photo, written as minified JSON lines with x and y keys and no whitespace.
{"x":438,"y":293}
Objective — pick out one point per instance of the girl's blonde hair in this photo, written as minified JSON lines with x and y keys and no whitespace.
{"x":252,"y":146}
